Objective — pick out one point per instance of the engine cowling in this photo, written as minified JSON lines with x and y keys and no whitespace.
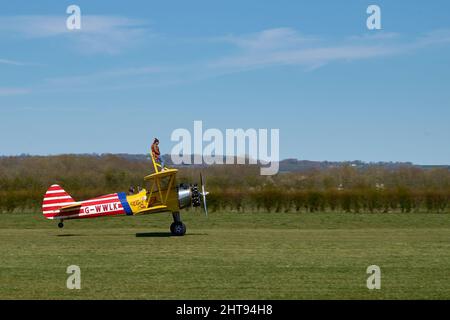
{"x":188,"y":195}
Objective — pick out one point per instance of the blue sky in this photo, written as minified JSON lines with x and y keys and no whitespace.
{"x":140,"y":69}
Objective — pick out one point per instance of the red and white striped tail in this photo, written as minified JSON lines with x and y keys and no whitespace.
{"x":54,"y":199}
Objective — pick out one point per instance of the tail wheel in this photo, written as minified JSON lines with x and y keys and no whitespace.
{"x":60,"y":225}
{"x":178,"y":228}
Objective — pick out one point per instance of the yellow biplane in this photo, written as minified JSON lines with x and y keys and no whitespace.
{"x":162,"y":195}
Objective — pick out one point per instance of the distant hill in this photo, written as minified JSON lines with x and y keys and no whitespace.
{"x":295,"y":165}
{"x":286,"y":165}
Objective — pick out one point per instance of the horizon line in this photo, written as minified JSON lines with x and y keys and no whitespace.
{"x":246,"y":157}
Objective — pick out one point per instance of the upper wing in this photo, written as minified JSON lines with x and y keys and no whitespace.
{"x":161,"y":174}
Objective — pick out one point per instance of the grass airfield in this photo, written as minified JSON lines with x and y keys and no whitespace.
{"x":227,"y":256}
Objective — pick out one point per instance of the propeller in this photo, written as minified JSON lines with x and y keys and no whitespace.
{"x":204,"y":193}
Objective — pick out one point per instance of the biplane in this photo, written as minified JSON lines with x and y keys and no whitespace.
{"x":163,"y":195}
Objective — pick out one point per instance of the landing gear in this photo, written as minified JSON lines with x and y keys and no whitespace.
{"x":61,"y":224}
{"x":177,"y":228}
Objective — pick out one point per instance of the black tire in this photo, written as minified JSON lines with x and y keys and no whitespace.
{"x":178,"y":229}
{"x":60,"y":225}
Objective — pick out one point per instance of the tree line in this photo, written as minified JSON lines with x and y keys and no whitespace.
{"x":374,"y":188}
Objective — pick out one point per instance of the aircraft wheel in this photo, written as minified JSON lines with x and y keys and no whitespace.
{"x":60,"y":225}
{"x":178,"y":228}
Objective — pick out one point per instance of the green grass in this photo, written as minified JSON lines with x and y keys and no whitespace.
{"x":227,"y":256}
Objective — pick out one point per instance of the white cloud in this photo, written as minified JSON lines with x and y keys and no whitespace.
{"x":19,"y":63}
{"x":9,"y":91}
{"x":270,"y":39}
{"x":308,"y":57}
{"x":98,"y":34}
{"x":268,"y":48}
{"x":102,"y":78}
{"x":436,"y":37}
{"x":375,"y":36}
{"x":285,"y":46}
{"x":11,"y":62}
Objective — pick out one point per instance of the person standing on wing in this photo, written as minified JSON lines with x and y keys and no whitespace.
{"x":156,"y":154}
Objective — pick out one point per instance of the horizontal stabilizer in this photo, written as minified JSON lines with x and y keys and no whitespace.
{"x":71,"y":207}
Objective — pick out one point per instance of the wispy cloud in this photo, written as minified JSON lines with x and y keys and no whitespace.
{"x":98,"y":34}
{"x":435,"y":37}
{"x":265,"y":49}
{"x":270,"y":39}
{"x":9,"y":91}
{"x":108,"y":78}
{"x":11,"y":62}
{"x":285,"y":46}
